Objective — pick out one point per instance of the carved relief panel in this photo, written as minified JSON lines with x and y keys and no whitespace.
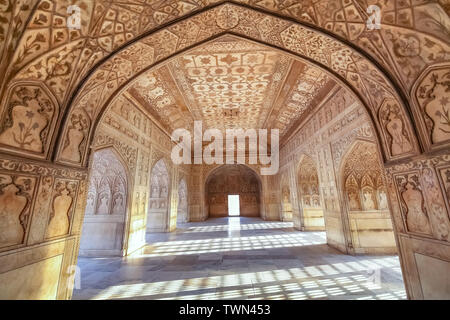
{"x":159,"y":198}
{"x":433,"y":97}
{"x":182,"y":214}
{"x":422,"y":191}
{"x":28,"y":120}
{"x":415,"y":213}
{"x":16,"y":193}
{"x":62,"y":206}
{"x":76,"y":137}
{"x":308,"y":181}
{"x":395,"y":129}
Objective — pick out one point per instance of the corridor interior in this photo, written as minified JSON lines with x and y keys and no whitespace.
{"x":126,"y":124}
{"x":239,"y":258}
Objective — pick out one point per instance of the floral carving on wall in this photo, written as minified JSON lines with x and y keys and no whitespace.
{"x":27,"y":122}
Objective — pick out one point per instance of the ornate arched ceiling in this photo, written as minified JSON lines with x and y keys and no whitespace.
{"x":231,"y":83}
{"x":410,"y":29}
{"x":124,"y":38}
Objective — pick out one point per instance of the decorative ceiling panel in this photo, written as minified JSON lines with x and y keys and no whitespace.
{"x":230,"y":83}
{"x":158,"y":94}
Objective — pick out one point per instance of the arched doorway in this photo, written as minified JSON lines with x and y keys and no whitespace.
{"x":366,"y":201}
{"x":232,"y":180}
{"x":182,"y":214}
{"x":106,"y":206}
{"x":158,"y":212}
{"x":309,"y":195}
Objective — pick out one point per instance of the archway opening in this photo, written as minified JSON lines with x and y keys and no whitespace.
{"x":237,"y":180}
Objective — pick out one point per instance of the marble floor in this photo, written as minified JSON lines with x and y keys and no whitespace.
{"x":239,"y":258}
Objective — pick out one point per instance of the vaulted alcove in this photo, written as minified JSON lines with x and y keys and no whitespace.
{"x":369,"y":219}
{"x":158,"y":212}
{"x":233,"y":180}
{"x":103,"y":231}
{"x":309,"y":195}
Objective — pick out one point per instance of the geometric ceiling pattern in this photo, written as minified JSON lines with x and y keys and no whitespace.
{"x":230,"y":83}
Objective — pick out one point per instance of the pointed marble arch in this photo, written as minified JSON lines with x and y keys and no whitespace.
{"x":364,"y":77}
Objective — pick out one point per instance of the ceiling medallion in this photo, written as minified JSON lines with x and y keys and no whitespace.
{"x":228,"y":18}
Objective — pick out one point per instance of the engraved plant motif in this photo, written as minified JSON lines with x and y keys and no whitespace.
{"x":25,"y":137}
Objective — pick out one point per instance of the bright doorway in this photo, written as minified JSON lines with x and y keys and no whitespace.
{"x":233,"y":205}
